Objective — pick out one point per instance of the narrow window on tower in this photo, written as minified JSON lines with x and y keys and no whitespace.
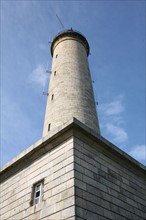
{"x":52,"y":97}
{"x":37,"y":193}
{"x":56,"y":55}
{"x":54,"y":73}
{"x":49,"y":126}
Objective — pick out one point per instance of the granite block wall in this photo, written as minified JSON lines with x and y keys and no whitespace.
{"x":70,"y":90}
{"x":56,"y":168}
{"x":85,"y":178}
{"x":107,"y":188}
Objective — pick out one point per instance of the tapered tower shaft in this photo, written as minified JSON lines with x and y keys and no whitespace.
{"x":70,"y":90}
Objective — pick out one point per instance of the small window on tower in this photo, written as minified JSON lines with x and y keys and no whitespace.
{"x":56,"y":55}
{"x":54,"y":73}
{"x":37,"y":192}
{"x":49,"y":126}
{"x":52,"y":96}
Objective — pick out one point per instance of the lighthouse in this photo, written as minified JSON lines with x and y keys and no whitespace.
{"x":70,"y":92}
{"x":72,"y":172}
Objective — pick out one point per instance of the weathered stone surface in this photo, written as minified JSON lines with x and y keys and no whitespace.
{"x":58,"y":192}
{"x":80,"y":181}
{"x":70,"y":90}
{"x":108,"y":187}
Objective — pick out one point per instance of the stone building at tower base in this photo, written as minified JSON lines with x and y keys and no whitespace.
{"x":84,"y":177}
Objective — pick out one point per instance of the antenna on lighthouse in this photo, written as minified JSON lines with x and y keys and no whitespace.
{"x":60,"y":21}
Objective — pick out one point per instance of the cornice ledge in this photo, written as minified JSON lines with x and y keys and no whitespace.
{"x":53,"y":138}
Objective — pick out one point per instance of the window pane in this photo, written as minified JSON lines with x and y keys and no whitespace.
{"x":36,"y":201}
{"x":37,"y":194}
{"x":38,"y":187}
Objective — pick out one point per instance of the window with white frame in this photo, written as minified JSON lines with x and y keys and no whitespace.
{"x":37,"y":192}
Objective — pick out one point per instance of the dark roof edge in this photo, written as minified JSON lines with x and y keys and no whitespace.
{"x":73,"y":33}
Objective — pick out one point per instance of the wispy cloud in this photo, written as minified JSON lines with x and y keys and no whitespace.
{"x":113,"y":108}
{"x":113,"y":126}
{"x":39,"y":76}
{"x":139,"y":153}
{"x":112,"y":120}
{"x":118,"y":133}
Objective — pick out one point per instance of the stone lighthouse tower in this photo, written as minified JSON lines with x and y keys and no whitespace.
{"x":72,"y":172}
{"x":70,"y":92}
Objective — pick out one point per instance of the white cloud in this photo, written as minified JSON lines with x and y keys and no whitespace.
{"x":39,"y":76}
{"x":113,"y":129}
{"x":139,"y":152}
{"x":118,"y":120}
{"x":112,"y":108}
{"x":112,"y":119}
{"x":118,"y":133}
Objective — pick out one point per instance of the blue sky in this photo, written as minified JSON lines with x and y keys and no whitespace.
{"x":115,"y":31}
